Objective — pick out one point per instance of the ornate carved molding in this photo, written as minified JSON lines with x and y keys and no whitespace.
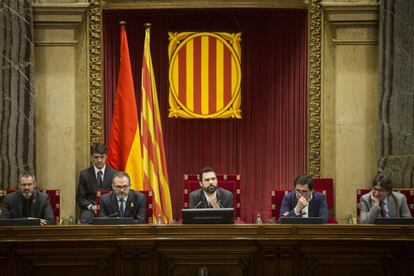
{"x":95,"y":72}
{"x":314,"y":87}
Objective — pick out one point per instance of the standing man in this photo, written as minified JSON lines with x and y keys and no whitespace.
{"x":383,"y":202}
{"x":28,"y":202}
{"x":303,"y":201}
{"x":96,"y":177}
{"x":123,"y":202}
{"x":209,"y":195}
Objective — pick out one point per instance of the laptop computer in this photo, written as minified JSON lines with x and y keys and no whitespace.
{"x":208,"y":216}
{"x":394,"y":220}
{"x":301,"y":220}
{"x":20,"y":222}
{"x":113,"y":220}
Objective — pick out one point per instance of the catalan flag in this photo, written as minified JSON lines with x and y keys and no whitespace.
{"x":124,"y":141}
{"x":154,"y":161}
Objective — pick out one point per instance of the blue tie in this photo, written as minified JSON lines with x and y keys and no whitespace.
{"x":122,"y":207}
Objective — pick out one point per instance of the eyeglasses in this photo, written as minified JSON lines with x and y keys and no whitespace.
{"x":120,"y":187}
{"x":379,"y":190}
{"x":302,"y":192}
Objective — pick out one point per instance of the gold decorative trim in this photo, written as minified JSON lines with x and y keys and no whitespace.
{"x":95,"y":72}
{"x":314,"y":87}
{"x":314,"y":79}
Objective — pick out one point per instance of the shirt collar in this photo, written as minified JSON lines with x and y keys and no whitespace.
{"x":96,"y":170}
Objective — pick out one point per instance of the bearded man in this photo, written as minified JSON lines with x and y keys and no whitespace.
{"x":122,"y":201}
{"x":28,"y":202}
{"x":210,"y":195}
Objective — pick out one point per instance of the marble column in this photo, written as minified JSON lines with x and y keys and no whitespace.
{"x":62,"y":102}
{"x":349,"y":100}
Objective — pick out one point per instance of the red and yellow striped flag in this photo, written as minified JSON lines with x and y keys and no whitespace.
{"x":154,"y":161}
{"x":124,"y":141}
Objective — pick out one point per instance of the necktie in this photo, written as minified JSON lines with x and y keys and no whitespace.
{"x":383,"y":213}
{"x":122,"y":207}
{"x":99,"y":179}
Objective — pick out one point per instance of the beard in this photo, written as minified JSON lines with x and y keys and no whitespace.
{"x":210,"y":189}
{"x":27,"y":194}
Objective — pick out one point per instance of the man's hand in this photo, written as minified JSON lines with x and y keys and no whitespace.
{"x":94,"y":209}
{"x":43,"y":222}
{"x":302,"y":203}
{"x":375,"y":200}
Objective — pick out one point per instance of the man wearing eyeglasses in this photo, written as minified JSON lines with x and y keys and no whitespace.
{"x":122,"y":201}
{"x":303,"y":201}
{"x":28,"y":202}
{"x":382,"y":201}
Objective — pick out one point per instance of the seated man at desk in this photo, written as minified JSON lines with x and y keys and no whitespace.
{"x":209,"y":195}
{"x":303,"y":201}
{"x":28,"y":202}
{"x":123,"y":202}
{"x":382,"y":201}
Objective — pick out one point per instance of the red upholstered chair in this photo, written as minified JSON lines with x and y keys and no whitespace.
{"x":148,"y":197}
{"x":408,"y":192}
{"x":230,"y":182}
{"x":54,"y":195}
{"x":322,"y":185}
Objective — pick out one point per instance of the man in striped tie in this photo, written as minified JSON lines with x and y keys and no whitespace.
{"x":122,"y":201}
{"x":96,"y":177}
{"x":382,"y":201}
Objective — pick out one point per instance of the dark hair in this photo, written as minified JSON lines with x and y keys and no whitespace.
{"x":203,"y":171}
{"x":304,"y":179}
{"x":383,"y":181}
{"x":121,"y":174}
{"x":26,"y":175}
{"x":99,"y":148}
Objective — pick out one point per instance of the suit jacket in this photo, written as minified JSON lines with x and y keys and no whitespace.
{"x":135,"y":206}
{"x":317,"y":206}
{"x":397,"y":207}
{"x":41,"y":208}
{"x":88,"y":185}
{"x":224,"y":197}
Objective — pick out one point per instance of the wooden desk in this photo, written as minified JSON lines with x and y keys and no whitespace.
{"x":223,"y":249}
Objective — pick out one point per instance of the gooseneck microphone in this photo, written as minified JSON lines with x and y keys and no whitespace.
{"x":219,"y":203}
{"x":198,"y":204}
{"x":112,"y":215}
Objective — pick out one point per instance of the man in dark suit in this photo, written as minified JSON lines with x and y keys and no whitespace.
{"x":28,"y":202}
{"x":303,"y":202}
{"x":123,"y":202}
{"x":209,"y":195}
{"x":96,"y":177}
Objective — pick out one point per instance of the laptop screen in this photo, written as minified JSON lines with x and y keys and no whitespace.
{"x":20,"y":222}
{"x":208,"y":216}
{"x":394,"y":220}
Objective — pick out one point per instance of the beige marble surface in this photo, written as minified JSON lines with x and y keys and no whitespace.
{"x":61,"y":99}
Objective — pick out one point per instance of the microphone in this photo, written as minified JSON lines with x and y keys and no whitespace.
{"x":112,"y":215}
{"x":219,"y":203}
{"x":198,"y":204}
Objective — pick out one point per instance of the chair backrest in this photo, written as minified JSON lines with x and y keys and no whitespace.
{"x":148,"y":197}
{"x":54,"y":195}
{"x":408,"y":192}
{"x":230,"y":182}
{"x":322,"y":185}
